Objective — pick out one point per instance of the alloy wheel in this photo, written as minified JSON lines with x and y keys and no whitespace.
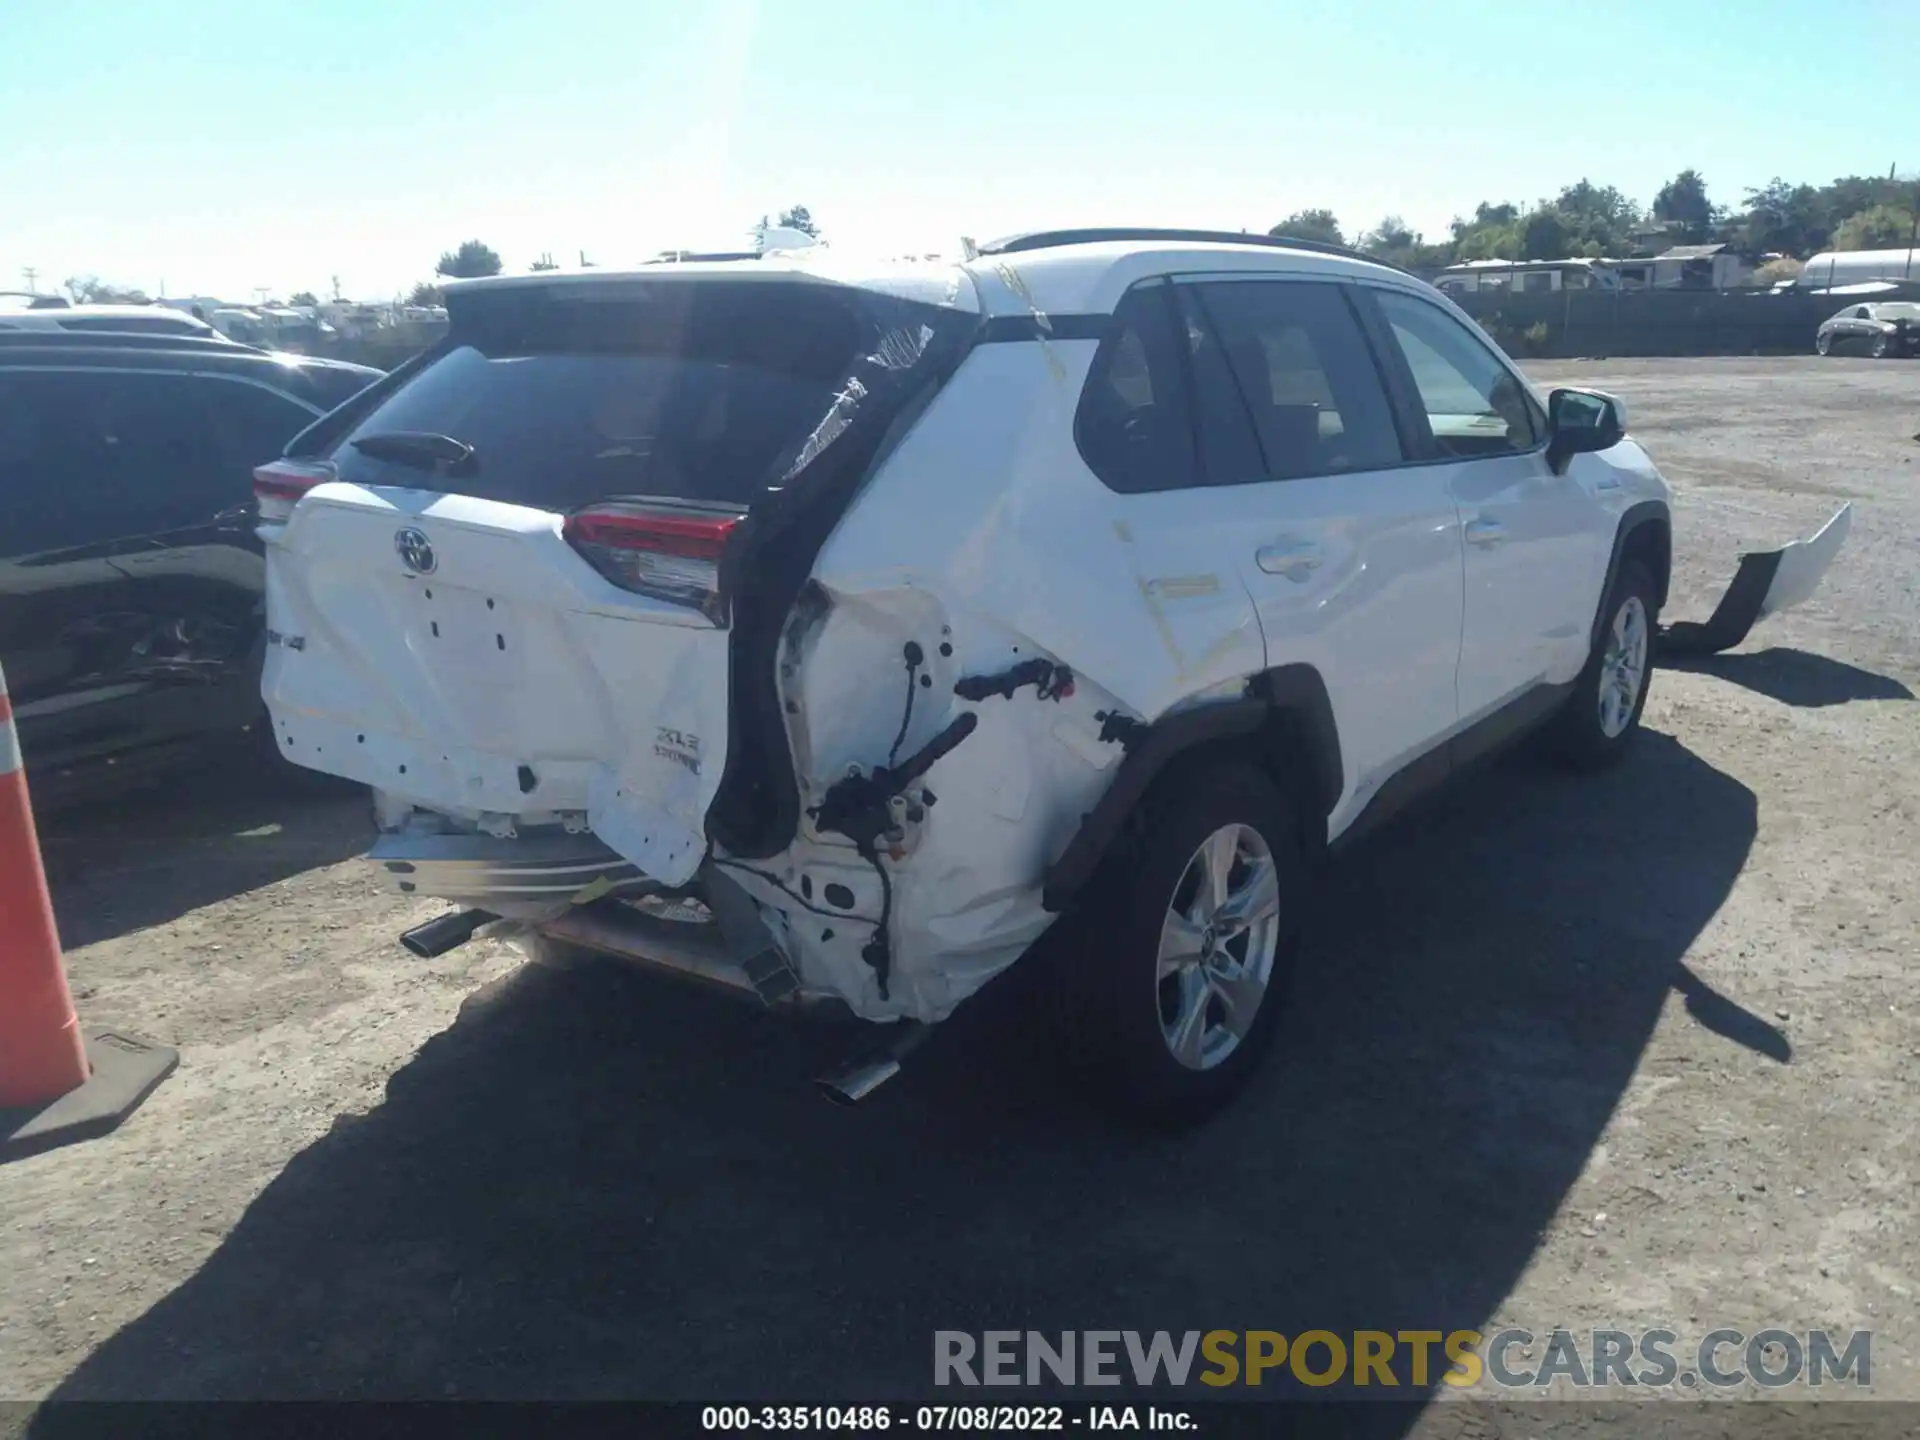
{"x":1217,"y":946}
{"x":1623,"y":668}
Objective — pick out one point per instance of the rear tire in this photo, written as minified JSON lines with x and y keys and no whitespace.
{"x":1823,"y":345}
{"x":1602,"y":716}
{"x":1176,"y":975}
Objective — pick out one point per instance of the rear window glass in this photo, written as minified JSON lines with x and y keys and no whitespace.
{"x":684,"y":390}
{"x":331,"y":387}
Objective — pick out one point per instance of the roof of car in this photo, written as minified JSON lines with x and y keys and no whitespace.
{"x":1064,"y":272}
{"x":151,"y":317}
{"x":151,"y":351}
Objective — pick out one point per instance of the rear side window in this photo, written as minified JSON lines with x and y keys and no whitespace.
{"x":1474,"y":405}
{"x":677,"y":389}
{"x":1132,"y":425}
{"x":251,"y":425}
{"x":88,"y":455}
{"x":43,"y":504}
{"x":1307,"y":375}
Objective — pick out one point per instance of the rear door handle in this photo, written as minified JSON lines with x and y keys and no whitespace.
{"x":1485,"y":532}
{"x":1294,"y":559}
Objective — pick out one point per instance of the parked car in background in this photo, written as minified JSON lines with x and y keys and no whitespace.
{"x":130,"y":573}
{"x":108,"y":319}
{"x":833,"y":632}
{"x":1882,"y":329}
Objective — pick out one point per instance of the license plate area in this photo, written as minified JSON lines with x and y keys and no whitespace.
{"x":466,"y":635}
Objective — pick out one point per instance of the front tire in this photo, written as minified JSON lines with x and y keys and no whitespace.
{"x":1823,"y":344}
{"x":1172,"y":993}
{"x":1878,"y":347}
{"x":1602,"y":716}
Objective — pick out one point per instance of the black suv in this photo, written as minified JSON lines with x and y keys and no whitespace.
{"x":131,"y":601}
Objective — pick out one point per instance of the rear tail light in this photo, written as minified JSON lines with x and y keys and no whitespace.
{"x":666,"y":550}
{"x":278,"y":486}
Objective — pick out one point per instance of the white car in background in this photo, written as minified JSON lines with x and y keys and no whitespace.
{"x":836,"y":634}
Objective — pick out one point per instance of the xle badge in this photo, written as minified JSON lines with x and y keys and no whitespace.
{"x":679,"y":747}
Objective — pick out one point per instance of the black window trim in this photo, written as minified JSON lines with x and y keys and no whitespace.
{"x":1406,"y":394}
{"x":1097,"y":370}
{"x":1415,"y":432}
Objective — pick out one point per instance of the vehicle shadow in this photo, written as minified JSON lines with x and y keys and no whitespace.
{"x":1795,"y":677}
{"x":151,"y":852}
{"x":594,"y":1185}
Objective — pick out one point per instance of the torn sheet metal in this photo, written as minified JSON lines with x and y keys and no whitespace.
{"x":1766,"y":583}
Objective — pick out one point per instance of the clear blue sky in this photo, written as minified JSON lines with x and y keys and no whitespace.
{"x":219,"y":145}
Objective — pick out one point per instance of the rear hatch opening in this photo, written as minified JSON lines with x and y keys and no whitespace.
{"x":534,"y":587}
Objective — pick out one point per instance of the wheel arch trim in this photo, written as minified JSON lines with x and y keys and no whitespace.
{"x":1290,"y":700}
{"x":1654,"y":515}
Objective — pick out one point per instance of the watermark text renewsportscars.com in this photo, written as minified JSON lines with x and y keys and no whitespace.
{"x":1510,"y":1359}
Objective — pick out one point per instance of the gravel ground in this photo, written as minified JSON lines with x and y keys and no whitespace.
{"x":1635,"y":1051}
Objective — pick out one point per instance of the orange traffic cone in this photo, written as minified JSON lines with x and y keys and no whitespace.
{"x":56,"y":1084}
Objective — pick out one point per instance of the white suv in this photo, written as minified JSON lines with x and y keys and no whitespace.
{"x":834,"y":634}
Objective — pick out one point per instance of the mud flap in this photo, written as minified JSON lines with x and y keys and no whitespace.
{"x":1766,"y":583}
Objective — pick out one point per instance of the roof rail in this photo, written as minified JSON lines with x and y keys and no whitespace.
{"x":1048,"y":239}
{"x":691,"y":257}
{"x":124,"y":340}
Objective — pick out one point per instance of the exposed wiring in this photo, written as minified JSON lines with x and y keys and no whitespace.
{"x":914,"y":655}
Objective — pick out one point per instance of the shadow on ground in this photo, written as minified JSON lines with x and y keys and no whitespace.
{"x":1796,"y":677}
{"x":152,"y":852}
{"x":594,"y":1185}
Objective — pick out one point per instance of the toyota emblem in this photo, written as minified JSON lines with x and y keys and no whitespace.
{"x":415,"y":551}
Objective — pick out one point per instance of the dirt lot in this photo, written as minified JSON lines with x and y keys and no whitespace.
{"x":1634,"y":1051}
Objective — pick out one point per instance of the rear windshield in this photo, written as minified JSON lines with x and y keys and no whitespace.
{"x":684,"y":390}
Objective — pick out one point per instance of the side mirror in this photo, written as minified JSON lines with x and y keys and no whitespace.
{"x":1582,"y":421}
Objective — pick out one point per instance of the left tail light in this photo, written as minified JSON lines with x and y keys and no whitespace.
{"x":669,"y":551}
{"x":278,"y":486}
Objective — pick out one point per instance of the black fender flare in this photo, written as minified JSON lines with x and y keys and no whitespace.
{"x":1293,"y":696}
{"x":1635,"y":517}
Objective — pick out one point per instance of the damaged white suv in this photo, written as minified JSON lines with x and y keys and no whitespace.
{"x":833,"y":634}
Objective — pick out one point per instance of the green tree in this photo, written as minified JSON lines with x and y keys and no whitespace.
{"x":1851,"y":194}
{"x":303,"y":297}
{"x":1390,"y":237}
{"x":1880,"y":227}
{"x":92,"y":290}
{"x":799,"y":218}
{"x":1683,"y":200}
{"x":1545,"y":235}
{"x":1788,"y":218}
{"x":1598,"y":218}
{"x":427,"y":294}
{"x":1310,"y":225}
{"x":472,"y":258}
{"x":1493,"y":233}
